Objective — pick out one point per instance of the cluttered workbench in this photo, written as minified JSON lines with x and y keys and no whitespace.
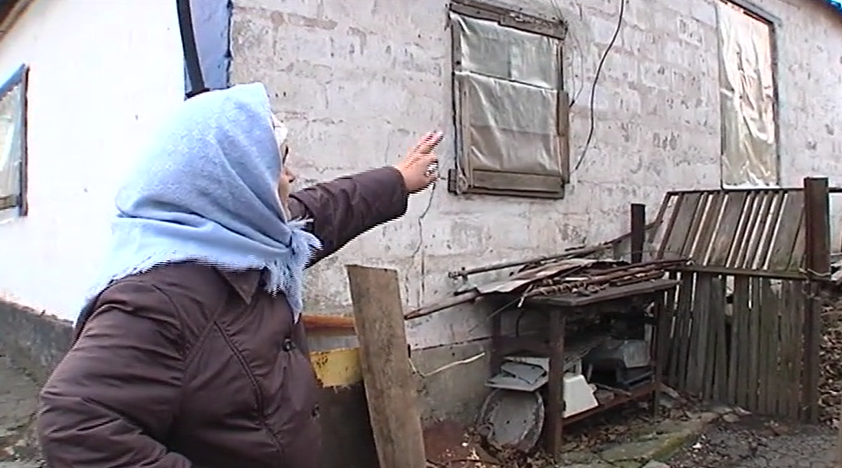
{"x":611,"y":357}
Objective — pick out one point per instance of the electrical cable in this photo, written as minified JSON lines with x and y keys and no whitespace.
{"x":596,"y":80}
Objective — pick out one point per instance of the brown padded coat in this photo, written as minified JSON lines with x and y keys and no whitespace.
{"x":189,"y":366}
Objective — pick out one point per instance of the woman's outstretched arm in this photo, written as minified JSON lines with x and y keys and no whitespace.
{"x":342,"y":209}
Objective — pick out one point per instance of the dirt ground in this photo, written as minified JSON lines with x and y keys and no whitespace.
{"x":754,"y":442}
{"x":750,"y":442}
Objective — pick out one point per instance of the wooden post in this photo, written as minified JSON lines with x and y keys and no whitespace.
{"x":554,"y":419}
{"x":817,"y":263}
{"x":638,"y":231}
{"x":389,"y":384}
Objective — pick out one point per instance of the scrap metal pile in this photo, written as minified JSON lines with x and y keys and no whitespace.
{"x":585,"y":277}
{"x":568,"y":273}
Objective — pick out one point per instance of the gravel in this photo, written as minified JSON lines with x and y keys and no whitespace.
{"x":759,"y":443}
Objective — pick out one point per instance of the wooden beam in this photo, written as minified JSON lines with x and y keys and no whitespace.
{"x":389,"y":384}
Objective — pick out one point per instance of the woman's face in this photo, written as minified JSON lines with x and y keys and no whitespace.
{"x":287,"y":176}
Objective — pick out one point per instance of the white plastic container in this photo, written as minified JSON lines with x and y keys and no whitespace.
{"x":578,"y":395}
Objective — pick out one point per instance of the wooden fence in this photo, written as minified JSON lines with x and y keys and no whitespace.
{"x":745,"y":320}
{"x":738,"y":340}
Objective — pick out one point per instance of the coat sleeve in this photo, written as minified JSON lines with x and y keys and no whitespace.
{"x":113,"y":396}
{"x":344,"y":208}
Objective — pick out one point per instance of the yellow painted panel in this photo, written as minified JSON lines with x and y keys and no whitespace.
{"x":337,"y":367}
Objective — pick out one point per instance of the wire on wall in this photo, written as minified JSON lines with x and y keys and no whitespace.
{"x":591,"y":106}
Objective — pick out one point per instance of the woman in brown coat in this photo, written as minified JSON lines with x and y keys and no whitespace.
{"x":190,"y":351}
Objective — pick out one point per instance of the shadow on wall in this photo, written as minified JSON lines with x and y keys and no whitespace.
{"x":35,"y":340}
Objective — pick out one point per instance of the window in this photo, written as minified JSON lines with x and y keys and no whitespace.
{"x":748,"y":97}
{"x":13,"y":144}
{"x":510,"y":109}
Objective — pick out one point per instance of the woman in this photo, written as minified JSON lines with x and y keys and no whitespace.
{"x":191,"y":352}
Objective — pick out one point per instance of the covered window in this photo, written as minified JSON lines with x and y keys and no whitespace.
{"x":748,"y":97}
{"x":13,"y":143}
{"x":510,"y":109}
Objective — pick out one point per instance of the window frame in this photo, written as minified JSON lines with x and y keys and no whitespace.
{"x":554,"y":28}
{"x":19,"y":201}
{"x":773,"y":23}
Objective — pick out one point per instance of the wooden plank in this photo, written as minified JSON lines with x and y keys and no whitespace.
{"x":768,"y":351}
{"x":674,"y":199}
{"x":389,"y":384}
{"x":798,"y":302}
{"x":698,"y":335}
{"x":554,"y":421}
{"x":681,"y":342}
{"x":775,"y":361}
{"x":796,"y":257}
{"x":713,"y":224}
{"x":763,"y":316}
{"x":740,"y":245}
{"x":654,"y":228}
{"x":787,"y":231}
{"x":753,"y":374}
{"x":812,"y":342}
{"x":720,"y":375}
{"x":679,"y":227}
{"x":709,"y":337}
{"x":739,"y":342}
{"x":787,"y":380}
{"x":664,"y":309}
{"x":767,"y":236}
{"x":696,"y":225}
{"x":666,"y":349}
{"x":723,"y":242}
{"x":759,"y":217}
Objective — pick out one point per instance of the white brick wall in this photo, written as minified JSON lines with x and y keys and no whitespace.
{"x":358,"y":83}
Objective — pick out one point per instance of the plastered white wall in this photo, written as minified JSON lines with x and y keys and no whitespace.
{"x":358,"y":82}
{"x":102,"y":74}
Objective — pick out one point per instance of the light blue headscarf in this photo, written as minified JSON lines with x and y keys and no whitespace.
{"x":206,"y":191}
